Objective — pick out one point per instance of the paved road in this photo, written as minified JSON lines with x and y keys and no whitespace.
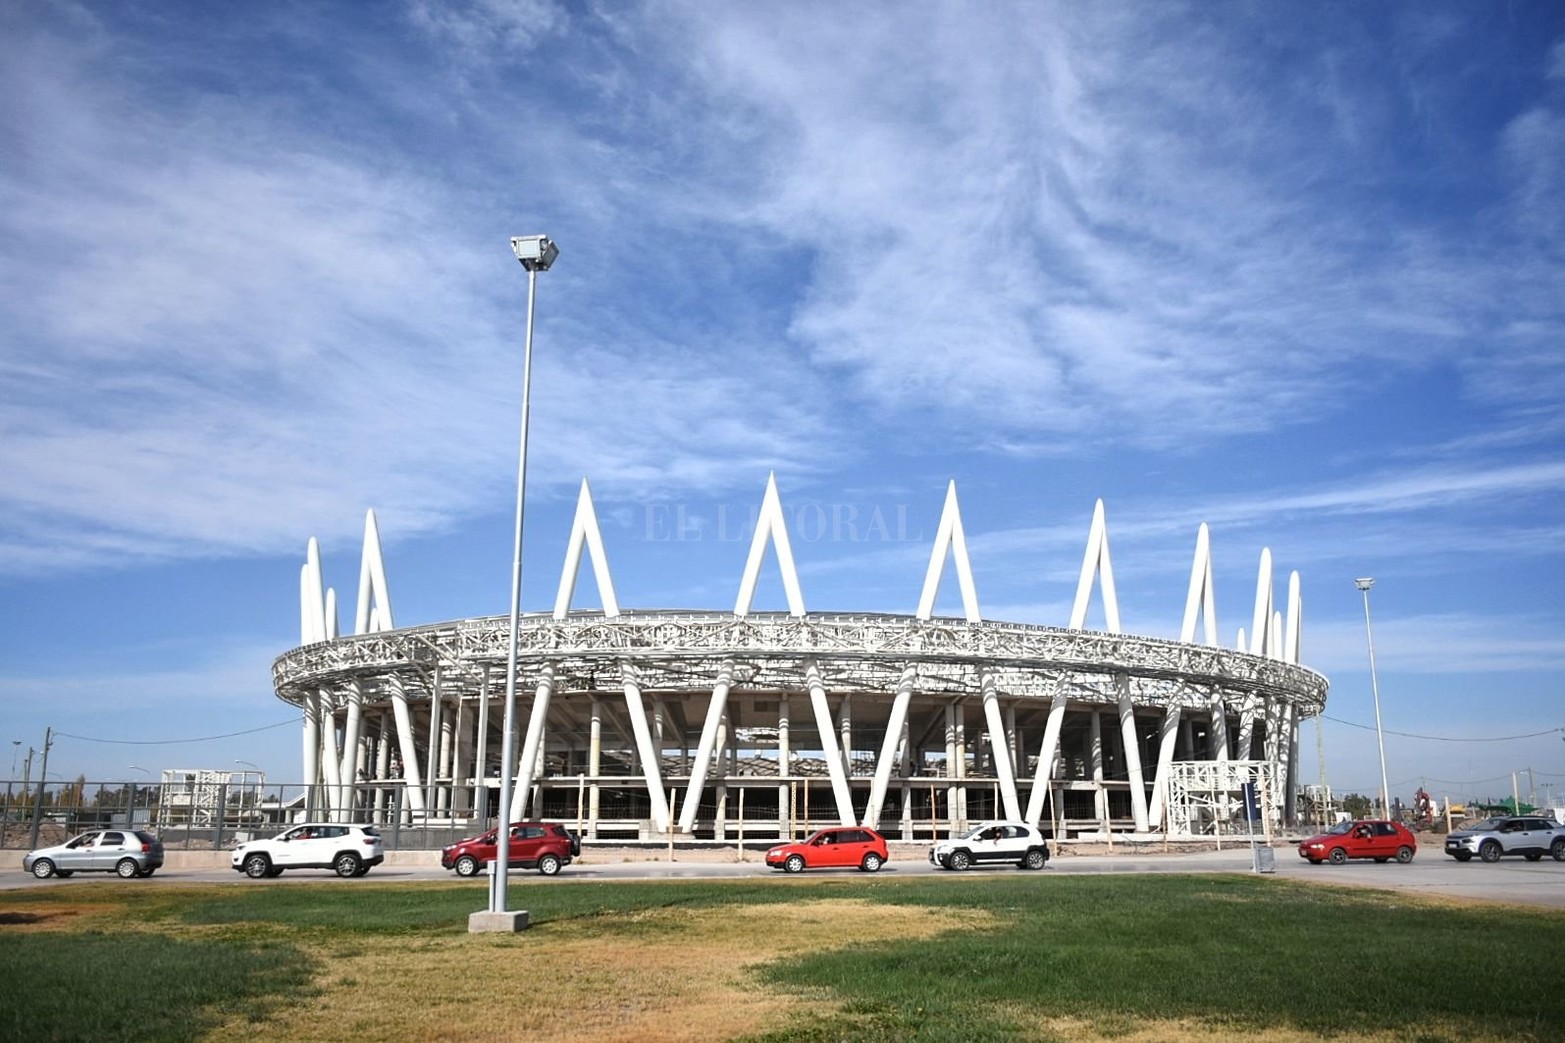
{"x":1430,"y":874}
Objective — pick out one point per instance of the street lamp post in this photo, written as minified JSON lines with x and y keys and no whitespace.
{"x":1364,"y":583}
{"x":536,"y":253}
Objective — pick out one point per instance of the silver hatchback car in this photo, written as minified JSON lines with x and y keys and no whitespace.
{"x":127,"y":852}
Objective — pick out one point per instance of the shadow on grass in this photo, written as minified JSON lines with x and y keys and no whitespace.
{"x":137,"y":986}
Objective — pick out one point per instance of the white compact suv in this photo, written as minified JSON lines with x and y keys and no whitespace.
{"x":347,"y":850}
{"x":1015,"y":843}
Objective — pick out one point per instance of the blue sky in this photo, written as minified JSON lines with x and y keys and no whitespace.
{"x":1292,"y":270}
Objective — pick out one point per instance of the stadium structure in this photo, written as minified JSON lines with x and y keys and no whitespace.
{"x":717,"y":725}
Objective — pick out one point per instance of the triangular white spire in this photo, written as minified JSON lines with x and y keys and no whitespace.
{"x":1260,"y":624}
{"x":770,"y":526}
{"x":585,"y":532}
{"x":1293,"y":633}
{"x":950,"y":537}
{"x":1095,"y":562}
{"x":312,"y":605}
{"x":332,"y":631}
{"x":1200,"y":602}
{"x":374,"y":608}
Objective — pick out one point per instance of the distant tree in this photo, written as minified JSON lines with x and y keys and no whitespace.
{"x":1357,"y":805}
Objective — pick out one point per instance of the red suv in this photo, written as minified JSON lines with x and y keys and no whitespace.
{"x":545,"y":846}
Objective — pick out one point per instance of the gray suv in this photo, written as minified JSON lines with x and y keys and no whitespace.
{"x":1531,"y":836}
{"x":128,"y":852}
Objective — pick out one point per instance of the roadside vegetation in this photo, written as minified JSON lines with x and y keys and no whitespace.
{"x":972,"y":958}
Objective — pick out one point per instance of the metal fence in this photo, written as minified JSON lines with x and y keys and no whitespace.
{"x":192,"y":812}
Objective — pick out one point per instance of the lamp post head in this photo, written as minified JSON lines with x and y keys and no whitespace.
{"x":1364,"y":583}
{"x":536,"y":252}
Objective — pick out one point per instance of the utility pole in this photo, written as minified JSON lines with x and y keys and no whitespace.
{"x":43,"y":776}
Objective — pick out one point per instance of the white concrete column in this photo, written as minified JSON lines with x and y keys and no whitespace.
{"x":651,"y":768}
{"x":830,"y":752}
{"x":1000,"y":749}
{"x":310,"y":744}
{"x":352,"y":729}
{"x":784,"y":768}
{"x":1165,"y":765}
{"x":845,"y":726}
{"x":532,"y":744}
{"x":1132,"y":745}
{"x":715,"y":708}
{"x":331,"y":757}
{"x":1048,"y":753}
{"x":951,"y":775}
{"x":1218,"y":736}
{"x":896,"y":731}
{"x":407,"y":747}
{"x":594,"y":766}
{"x":1101,"y":799}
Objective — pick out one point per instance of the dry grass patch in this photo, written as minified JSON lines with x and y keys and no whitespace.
{"x":671,"y":975}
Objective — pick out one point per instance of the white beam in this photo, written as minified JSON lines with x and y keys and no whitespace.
{"x":829,"y":748}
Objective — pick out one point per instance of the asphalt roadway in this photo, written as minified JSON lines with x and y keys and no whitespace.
{"x":1431,"y":874}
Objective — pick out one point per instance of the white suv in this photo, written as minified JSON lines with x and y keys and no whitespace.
{"x":347,"y":850}
{"x":1016,"y":843}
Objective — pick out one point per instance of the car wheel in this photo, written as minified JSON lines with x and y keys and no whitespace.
{"x":1462,"y":856}
{"x":347,"y":864}
{"x":43,"y":869}
{"x":149,"y":871}
{"x":257,"y":866}
{"x":275,"y":871}
{"x":794,"y":864}
{"x":1035,"y":859}
{"x":363,"y":870}
{"x":1533,"y":856}
{"x":467,"y":865}
{"x":127,"y":869}
{"x":1489,"y":851}
{"x":959,"y":860}
{"x":1404,"y":854}
{"x":1337,"y":856}
{"x":548,"y":865}
{"x":871,"y":862}
{"x":1558,"y":850}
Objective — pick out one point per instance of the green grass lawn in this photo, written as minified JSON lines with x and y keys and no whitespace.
{"x":1232,"y":953}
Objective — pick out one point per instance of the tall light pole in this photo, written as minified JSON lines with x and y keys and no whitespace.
{"x":1364,"y":583}
{"x":537,"y":254}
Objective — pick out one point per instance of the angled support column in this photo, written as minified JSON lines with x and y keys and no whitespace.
{"x":1047,"y":753}
{"x":888,"y":748}
{"x":829,"y":748}
{"x":715,"y":708}
{"x":311,"y":750}
{"x":1165,"y":765}
{"x":1001,"y":749}
{"x":352,"y":729}
{"x":527,"y":766}
{"x":1132,"y":745}
{"x":651,"y":768}
{"x":331,"y":756}
{"x":407,"y":747}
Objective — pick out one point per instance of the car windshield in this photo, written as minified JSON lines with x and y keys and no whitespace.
{"x":1341,"y":828}
{"x":974,"y":834}
{"x":1488,"y":825}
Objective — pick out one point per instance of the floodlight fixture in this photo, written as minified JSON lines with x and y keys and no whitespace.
{"x":536,"y":252}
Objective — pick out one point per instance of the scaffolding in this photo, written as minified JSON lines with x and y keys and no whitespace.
{"x":1213,"y":798}
{"x":202,"y":798}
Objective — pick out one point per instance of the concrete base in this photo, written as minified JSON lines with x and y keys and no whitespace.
{"x":485,"y":922}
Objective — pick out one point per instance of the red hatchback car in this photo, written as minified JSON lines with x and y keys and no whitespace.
{"x":1366,"y":838}
{"x":843,"y":847}
{"x":545,"y":846}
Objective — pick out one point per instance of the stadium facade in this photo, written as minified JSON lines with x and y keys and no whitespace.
{"x":641,"y":725}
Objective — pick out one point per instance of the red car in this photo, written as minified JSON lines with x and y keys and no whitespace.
{"x":545,"y":846}
{"x":1366,"y":838}
{"x":843,"y":847}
